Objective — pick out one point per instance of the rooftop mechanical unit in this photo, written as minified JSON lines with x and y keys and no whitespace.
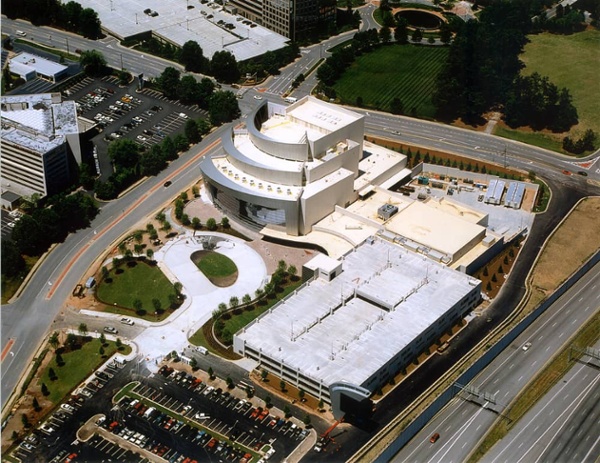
{"x":386,"y":211}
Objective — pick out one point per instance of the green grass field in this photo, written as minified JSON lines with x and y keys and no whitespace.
{"x":215,"y":265}
{"x":142,"y":282}
{"x":570,"y":61}
{"x":407,"y":72}
{"x":78,"y":365}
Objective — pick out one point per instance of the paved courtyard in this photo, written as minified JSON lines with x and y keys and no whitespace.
{"x":202,"y":297}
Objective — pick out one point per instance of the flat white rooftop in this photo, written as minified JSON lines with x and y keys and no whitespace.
{"x":38,"y":122}
{"x":41,"y":65}
{"x":312,"y":112}
{"x":434,"y":228}
{"x":178,"y":24}
{"x":329,"y":340}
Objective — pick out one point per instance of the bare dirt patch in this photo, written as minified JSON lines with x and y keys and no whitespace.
{"x":569,"y":247}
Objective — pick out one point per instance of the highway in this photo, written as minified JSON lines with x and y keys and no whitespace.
{"x":562,"y":426}
{"x":466,"y":419}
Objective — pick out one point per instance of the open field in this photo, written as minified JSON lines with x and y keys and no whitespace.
{"x":78,"y":364}
{"x":407,"y":72}
{"x":576,"y":235}
{"x":570,"y":61}
{"x":219,"y":269}
{"x":143,"y":282}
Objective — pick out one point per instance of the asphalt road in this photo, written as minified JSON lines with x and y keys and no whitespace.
{"x":562,"y":426}
{"x":31,"y":316}
{"x":116,"y":56}
{"x":464,"y":421}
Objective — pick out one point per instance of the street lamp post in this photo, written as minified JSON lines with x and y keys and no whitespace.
{"x":122,"y":67}
{"x":67,"y":41}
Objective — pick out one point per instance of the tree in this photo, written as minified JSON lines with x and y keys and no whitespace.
{"x":169,"y":82}
{"x":301,"y":394}
{"x":321,"y":404}
{"x":211,"y":373}
{"x":223,"y":107}
{"x":225,"y":222}
{"x":181,"y":142}
{"x":222,"y":307}
{"x":187,"y":90}
{"x":282,"y":385}
{"x":25,"y":421}
{"x":36,"y":405}
{"x":45,"y":391}
{"x":229,"y":382}
{"x":259,"y":293}
{"x":307,"y":420}
{"x":286,"y":411}
{"x":292,"y":270}
{"x":211,"y":224}
{"x":192,"y":57}
{"x":385,"y":34}
{"x":12,"y":260}
{"x":52,"y":374}
{"x":89,"y":24}
{"x":417,"y":35}
{"x":102,"y":338}
{"x":268,"y":400}
{"x":59,"y":359}
{"x":396,"y":106}
{"x":401,"y":31}
{"x":93,"y":62}
{"x":246,"y":299}
{"x":224,"y":67}
{"x":82,"y":329}
{"x":445,"y":33}
{"x":263,"y":375}
{"x":234,"y":302}
{"x":53,"y":340}
{"x":196,"y":224}
{"x":124,"y":153}
{"x":194,"y":363}
{"x":169,"y":150}
{"x":191,"y":132}
{"x":157,"y":306}
{"x":101,"y":351}
{"x":119,"y":343}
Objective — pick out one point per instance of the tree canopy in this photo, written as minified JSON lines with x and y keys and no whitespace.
{"x":93,"y":62}
{"x":223,"y":107}
{"x":224,"y":67}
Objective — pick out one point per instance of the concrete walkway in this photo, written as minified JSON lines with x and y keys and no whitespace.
{"x":202,"y":297}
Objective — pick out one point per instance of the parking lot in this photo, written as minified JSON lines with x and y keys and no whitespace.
{"x":171,"y":414}
{"x":9,"y":219}
{"x":146,"y":117}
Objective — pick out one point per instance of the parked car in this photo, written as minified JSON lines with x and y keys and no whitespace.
{"x":110,"y":329}
{"x":127,"y":321}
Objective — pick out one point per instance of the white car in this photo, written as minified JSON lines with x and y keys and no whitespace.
{"x":67,"y":408}
{"x":141,"y":138}
{"x":526,"y":346}
{"x":183,"y":115}
{"x":127,"y":321}
{"x":257,"y":97}
{"x":201,"y":416}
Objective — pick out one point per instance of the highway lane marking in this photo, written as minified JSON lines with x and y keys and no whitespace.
{"x":6,"y":349}
{"x":122,"y":215}
{"x":571,"y":410}
{"x":539,"y":329}
{"x":456,"y":436}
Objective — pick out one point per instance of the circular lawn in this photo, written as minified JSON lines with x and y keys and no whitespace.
{"x":219,"y":269}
